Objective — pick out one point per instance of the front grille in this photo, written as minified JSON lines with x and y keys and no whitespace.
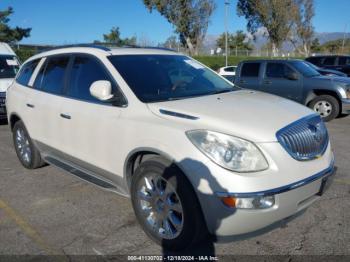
{"x":2,"y":99}
{"x":304,"y":139}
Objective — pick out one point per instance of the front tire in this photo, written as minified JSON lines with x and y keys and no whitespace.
{"x":166,"y":206}
{"x":27,"y":153}
{"x":327,"y":106}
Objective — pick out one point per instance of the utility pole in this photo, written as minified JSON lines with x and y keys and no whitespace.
{"x":227,"y":3}
{"x":342,"y":46}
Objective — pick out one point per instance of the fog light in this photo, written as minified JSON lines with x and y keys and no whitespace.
{"x":259,"y":202}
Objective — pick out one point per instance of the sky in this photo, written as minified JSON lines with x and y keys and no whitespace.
{"x":83,"y":21}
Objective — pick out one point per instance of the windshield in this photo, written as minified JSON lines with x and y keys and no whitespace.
{"x":155,"y":78}
{"x":304,"y":68}
{"x":8,"y":66}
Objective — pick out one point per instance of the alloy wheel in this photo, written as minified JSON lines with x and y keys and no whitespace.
{"x":160,"y":206}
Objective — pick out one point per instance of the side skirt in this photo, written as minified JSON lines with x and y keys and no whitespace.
{"x":85,"y":175}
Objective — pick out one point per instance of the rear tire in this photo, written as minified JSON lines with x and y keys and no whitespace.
{"x":327,"y":106}
{"x":169,"y":195}
{"x":26,"y":151}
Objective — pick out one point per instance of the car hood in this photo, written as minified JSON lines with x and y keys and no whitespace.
{"x":5,"y":83}
{"x":251,"y":115}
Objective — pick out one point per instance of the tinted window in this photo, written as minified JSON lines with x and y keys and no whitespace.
{"x":329,"y":61}
{"x":315,"y":60}
{"x":26,"y":72}
{"x":230,"y":69}
{"x":250,"y":70}
{"x":343,"y":60}
{"x":8,"y":66}
{"x":168,"y":77}
{"x":52,"y":74}
{"x":84,"y":72}
{"x":275,"y":70}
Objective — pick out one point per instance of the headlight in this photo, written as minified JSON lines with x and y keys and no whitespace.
{"x":229,"y":152}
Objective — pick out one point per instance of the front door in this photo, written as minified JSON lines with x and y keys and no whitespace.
{"x":275,"y":81}
{"x":89,"y":127}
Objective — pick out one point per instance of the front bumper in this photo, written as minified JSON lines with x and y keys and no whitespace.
{"x":289,"y":200}
{"x":345,"y":106}
{"x":295,"y":185}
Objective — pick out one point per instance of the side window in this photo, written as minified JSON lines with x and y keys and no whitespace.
{"x":275,"y":70}
{"x":51,"y":76}
{"x":26,"y":72}
{"x":250,"y":70}
{"x":343,"y":60}
{"x":84,"y":72}
{"x":329,"y":60}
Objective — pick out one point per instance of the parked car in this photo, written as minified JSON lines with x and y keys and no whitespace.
{"x":326,"y":72}
{"x":8,"y":68}
{"x":334,"y":62}
{"x":228,"y":72}
{"x":196,"y":155}
{"x":295,"y":80}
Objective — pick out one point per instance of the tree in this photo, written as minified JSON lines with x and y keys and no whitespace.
{"x":189,"y":17}
{"x":172,"y":42}
{"x":302,"y":32}
{"x":315,"y":46}
{"x":235,"y":41}
{"x":114,"y":38}
{"x":8,"y":34}
{"x":275,"y":15}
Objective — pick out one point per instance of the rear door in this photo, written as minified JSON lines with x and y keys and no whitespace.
{"x":249,"y":75}
{"x":275,"y":81}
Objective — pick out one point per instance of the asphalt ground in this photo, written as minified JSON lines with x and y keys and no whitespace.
{"x":48,"y":211}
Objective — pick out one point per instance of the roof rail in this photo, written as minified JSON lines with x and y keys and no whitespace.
{"x":149,"y":47}
{"x":79,"y":45}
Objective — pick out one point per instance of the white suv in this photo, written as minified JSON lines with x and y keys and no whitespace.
{"x":195,"y":154}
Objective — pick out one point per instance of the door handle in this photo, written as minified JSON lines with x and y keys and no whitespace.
{"x":267,"y":82}
{"x":241,"y":81}
{"x":30,"y":105}
{"x":65,"y":116}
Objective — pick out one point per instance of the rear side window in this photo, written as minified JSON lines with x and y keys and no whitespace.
{"x":315,"y":60}
{"x":52,"y":74}
{"x":329,"y":61}
{"x":84,"y":72}
{"x":229,"y":69}
{"x":26,"y":72}
{"x":250,"y":70}
{"x":343,"y":60}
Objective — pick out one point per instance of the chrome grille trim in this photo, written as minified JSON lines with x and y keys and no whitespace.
{"x":304,"y":139}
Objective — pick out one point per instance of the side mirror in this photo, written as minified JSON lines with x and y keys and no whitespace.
{"x":292,"y":76}
{"x":102,"y":90}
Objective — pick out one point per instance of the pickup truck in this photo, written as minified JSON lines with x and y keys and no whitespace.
{"x":295,"y":80}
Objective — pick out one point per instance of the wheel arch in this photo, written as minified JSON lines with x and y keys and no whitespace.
{"x":136,"y":157}
{"x":13,"y":119}
{"x":317,"y":92}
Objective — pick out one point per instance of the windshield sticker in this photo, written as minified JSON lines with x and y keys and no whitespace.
{"x":194,"y":64}
{"x":11,"y":62}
